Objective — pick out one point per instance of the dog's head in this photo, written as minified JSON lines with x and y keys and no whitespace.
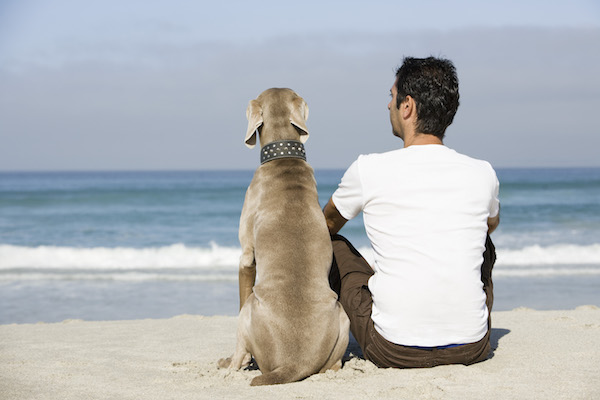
{"x":277,"y":114}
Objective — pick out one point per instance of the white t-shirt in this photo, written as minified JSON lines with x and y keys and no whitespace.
{"x":425,"y":210}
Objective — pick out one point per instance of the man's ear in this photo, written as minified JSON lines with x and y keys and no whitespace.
{"x":298,"y":117}
{"x":408,"y":107}
{"x":254,"y":113}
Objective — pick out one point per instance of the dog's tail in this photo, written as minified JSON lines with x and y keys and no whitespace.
{"x":279,"y":375}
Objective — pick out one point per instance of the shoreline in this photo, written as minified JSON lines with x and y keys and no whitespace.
{"x":55,"y":301}
{"x":537,"y":354}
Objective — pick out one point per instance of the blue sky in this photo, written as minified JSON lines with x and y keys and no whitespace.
{"x":134,"y":85}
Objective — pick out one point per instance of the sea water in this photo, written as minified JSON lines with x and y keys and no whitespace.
{"x":130,"y":245}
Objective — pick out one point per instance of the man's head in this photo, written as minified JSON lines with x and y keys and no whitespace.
{"x":433,"y":85}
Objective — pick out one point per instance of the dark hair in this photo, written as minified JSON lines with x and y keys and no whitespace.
{"x":433,"y":84}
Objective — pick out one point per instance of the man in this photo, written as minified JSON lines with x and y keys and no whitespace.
{"x":428,"y":212}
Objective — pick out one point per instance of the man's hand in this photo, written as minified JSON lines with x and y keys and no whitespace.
{"x":493,"y":223}
{"x":334,"y":219}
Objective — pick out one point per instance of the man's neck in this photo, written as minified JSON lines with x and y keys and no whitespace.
{"x":421,"y":139}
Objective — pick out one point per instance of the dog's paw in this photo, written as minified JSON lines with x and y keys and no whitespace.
{"x":224,"y":362}
{"x":337,"y":366}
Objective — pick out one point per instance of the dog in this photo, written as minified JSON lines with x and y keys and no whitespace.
{"x":290,"y":320}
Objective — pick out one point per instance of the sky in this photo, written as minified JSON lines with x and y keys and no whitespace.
{"x":164,"y":85}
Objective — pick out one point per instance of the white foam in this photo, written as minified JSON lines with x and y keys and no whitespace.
{"x":559,"y":254}
{"x":114,"y":276}
{"x":542,"y":272}
{"x":538,"y":261}
{"x":179,"y":262}
{"x":174,"y":256}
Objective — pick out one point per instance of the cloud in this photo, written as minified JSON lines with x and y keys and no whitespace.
{"x":528,"y":97}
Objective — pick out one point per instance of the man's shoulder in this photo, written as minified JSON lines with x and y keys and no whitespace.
{"x":423,"y":153}
{"x":419,"y":155}
{"x":472,"y":160}
{"x":477,"y":171}
{"x":375,"y":158}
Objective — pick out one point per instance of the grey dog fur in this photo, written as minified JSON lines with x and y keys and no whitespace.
{"x":290,"y":320}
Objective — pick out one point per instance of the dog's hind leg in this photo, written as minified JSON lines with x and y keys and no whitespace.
{"x":334,"y":362}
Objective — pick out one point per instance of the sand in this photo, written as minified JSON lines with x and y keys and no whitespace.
{"x":538,"y":355}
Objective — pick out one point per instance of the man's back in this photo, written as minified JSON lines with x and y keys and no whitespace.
{"x":425,"y":212}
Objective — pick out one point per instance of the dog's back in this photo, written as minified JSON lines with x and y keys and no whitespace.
{"x":293,"y":256}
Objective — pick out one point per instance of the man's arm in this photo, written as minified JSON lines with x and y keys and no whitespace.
{"x":334,"y":219}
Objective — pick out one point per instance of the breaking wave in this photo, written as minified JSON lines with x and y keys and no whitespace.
{"x":179,"y":262}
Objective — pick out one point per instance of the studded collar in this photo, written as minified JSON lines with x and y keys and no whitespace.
{"x":282,"y":149}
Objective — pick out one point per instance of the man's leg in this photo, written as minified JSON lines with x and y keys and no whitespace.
{"x":489,"y":259}
{"x":354,"y":294}
{"x":349,"y":278}
{"x":479,"y":351}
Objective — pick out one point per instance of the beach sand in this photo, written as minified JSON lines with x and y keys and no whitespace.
{"x":538,"y":355}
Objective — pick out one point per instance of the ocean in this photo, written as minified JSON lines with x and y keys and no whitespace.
{"x":134,"y":245}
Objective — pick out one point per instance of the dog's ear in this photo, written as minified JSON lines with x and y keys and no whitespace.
{"x":299,"y":116}
{"x":254,"y":113}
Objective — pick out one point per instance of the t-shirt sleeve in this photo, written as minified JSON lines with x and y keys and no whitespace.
{"x":494,"y":207}
{"x":348,"y":198}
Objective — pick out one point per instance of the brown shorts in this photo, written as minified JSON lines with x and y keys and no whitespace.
{"x":349,"y":277}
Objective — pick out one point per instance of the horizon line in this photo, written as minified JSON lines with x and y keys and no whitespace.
{"x":138,"y":170}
